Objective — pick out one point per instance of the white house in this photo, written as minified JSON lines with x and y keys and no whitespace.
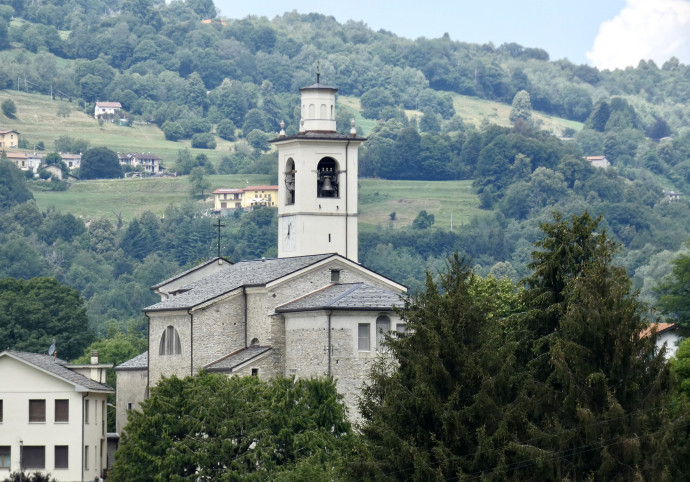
{"x":53,"y":416}
{"x":312,"y":311}
{"x":103,"y":108}
{"x":598,"y":161}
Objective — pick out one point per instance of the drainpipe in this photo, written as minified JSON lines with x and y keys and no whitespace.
{"x":244,"y":292}
{"x":148,"y":361}
{"x":83,"y":422}
{"x":191,"y":343}
{"x":347,"y":212}
{"x":329,"y":343}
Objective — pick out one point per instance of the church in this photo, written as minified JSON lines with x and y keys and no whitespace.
{"x":312,"y":311}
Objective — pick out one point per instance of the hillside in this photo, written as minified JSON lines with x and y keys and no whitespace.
{"x":377,"y":200}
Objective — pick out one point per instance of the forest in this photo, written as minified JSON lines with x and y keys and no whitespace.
{"x":193,"y":74}
{"x":201,"y":78}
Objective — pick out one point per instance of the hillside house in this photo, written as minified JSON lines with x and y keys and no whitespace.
{"x":53,"y":416}
{"x":106,"y":108}
{"x":247,"y":197}
{"x":312,"y":311}
{"x":72,"y":161}
{"x":150,"y":163}
{"x":9,"y":139}
{"x":20,"y":159}
{"x":598,"y":161}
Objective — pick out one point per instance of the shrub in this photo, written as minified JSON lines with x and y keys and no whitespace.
{"x":204,"y":140}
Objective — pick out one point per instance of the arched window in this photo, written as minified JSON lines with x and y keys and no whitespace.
{"x":332,"y":112}
{"x":170,"y":342}
{"x":383,"y":326}
{"x":312,"y":111}
{"x":290,"y":182}
{"x":323,"y":113}
{"x":327,"y":178}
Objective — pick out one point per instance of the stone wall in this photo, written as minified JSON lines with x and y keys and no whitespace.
{"x":218,"y":330}
{"x":167,"y":365}
{"x":131,"y":389}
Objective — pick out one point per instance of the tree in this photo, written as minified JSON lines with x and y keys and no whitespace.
{"x":100,"y":163}
{"x":226,"y":130}
{"x":36,"y":311}
{"x":594,"y":386}
{"x":673,"y":290}
{"x":204,"y":140}
{"x":8,"y":108}
{"x":226,"y":428}
{"x":13,"y":188}
{"x":522,"y":107}
{"x":434,"y":407}
{"x":423,"y":220}
{"x":198,"y":180}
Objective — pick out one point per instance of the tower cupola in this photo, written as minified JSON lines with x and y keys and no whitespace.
{"x":318,"y":108}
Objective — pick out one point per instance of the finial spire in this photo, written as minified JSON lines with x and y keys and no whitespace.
{"x":318,"y":68}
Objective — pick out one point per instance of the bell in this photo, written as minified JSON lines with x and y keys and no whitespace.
{"x":327,"y":186}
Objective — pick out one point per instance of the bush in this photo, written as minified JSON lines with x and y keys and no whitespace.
{"x":172,"y":130}
{"x":204,"y":140}
{"x":8,"y":108}
{"x":226,"y":130}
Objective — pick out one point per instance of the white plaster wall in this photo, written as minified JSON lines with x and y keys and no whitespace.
{"x":22,"y":383}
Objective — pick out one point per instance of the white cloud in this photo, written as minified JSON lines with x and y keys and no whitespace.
{"x":644,"y":29}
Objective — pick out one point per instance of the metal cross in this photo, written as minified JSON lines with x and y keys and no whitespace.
{"x":219,"y":226}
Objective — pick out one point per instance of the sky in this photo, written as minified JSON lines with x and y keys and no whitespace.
{"x":607,"y":34}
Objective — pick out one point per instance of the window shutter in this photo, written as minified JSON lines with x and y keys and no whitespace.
{"x":37,"y":410}
{"x":34,"y":457}
{"x":61,"y":456}
{"x":62,"y":410}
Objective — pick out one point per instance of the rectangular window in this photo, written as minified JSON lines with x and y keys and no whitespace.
{"x":61,"y":457}
{"x":129,"y":406}
{"x":33,"y":457}
{"x":37,"y":410}
{"x":363,"y":337}
{"x":255,"y":372}
{"x":0,"y":411}
{"x":86,"y":411}
{"x":103,"y":417}
{"x":86,"y":457}
{"x":335,"y":276}
{"x":5,"y":453}
{"x":62,"y":410}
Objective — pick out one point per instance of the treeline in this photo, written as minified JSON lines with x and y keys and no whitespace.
{"x":179,"y":64}
{"x":113,"y":265}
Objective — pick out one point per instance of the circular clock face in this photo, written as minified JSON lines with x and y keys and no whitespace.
{"x":289,"y":232}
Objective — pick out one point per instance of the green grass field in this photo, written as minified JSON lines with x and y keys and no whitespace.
{"x":37,"y":120}
{"x":377,"y":198}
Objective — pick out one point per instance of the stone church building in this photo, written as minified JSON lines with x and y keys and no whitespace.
{"x":312,"y":311}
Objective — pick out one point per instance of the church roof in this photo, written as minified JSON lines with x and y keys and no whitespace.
{"x":243,"y":273}
{"x":235,"y":359}
{"x":58,"y":368}
{"x":347,"y":296}
{"x":180,"y":275}
{"x":137,"y":363}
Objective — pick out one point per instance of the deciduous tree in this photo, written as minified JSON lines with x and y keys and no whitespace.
{"x":100,"y":163}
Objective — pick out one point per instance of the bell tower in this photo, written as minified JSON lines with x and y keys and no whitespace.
{"x":317,"y":181}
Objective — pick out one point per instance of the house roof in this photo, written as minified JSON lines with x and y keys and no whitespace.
{"x":111,"y":105}
{"x":225,"y":190}
{"x":261,"y":188}
{"x":347,"y":296}
{"x":8,"y":132}
{"x":15,"y":155}
{"x":660,"y":328}
{"x":235,"y":359}
{"x":57,"y":368}
{"x":243,"y":273}
{"x":141,"y":155}
{"x":190,"y":270}
{"x":139,"y":362}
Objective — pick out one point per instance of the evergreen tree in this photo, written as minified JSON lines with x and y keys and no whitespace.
{"x":595,"y":388}
{"x":434,"y":407}
{"x":522,"y":107}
